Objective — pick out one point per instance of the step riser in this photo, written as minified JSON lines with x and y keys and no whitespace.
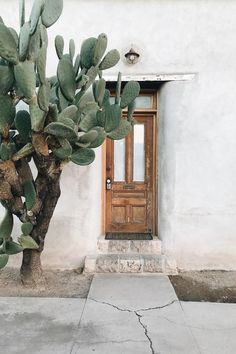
{"x":114,"y":263}
{"x":129,"y":246}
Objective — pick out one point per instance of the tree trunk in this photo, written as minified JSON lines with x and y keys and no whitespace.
{"x":48,"y":190}
{"x":31,"y":269}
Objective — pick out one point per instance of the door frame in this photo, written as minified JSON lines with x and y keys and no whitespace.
{"x":154,"y":112}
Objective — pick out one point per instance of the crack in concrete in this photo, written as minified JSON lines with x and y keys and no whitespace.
{"x":157,"y":307}
{"x":145,"y":332}
{"x":115,"y":341}
{"x":139,"y":316}
{"x":138,"y":310}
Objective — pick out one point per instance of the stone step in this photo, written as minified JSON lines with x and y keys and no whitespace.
{"x":128,"y":263}
{"x":129,"y":246}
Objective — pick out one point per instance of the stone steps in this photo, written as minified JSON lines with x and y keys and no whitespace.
{"x":129,"y":246}
{"x":128,"y":263}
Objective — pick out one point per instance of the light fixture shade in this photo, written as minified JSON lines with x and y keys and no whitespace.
{"x":132,"y":56}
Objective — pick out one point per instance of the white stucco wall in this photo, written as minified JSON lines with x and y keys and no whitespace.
{"x":197,"y":122}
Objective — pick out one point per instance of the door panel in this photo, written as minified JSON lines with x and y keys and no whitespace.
{"x":129,"y":169}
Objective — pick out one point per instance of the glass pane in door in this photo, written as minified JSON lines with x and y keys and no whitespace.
{"x":139,"y":153}
{"x":119,"y":160}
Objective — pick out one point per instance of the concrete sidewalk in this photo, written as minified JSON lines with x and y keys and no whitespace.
{"x":123,"y":314}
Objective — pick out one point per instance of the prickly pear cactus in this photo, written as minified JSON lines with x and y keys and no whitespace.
{"x":68,"y":116}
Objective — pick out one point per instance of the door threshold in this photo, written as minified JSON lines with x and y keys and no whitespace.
{"x":128,"y":236}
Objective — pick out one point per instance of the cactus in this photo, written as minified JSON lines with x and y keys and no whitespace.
{"x":26,"y":228}
{"x":88,"y":137}
{"x":22,"y":12}
{"x":66,"y":78}
{"x":35,"y":15}
{"x":27,"y":242}
{"x":3,"y":260}
{"x":29,"y":193}
{"x":6,"y":226}
{"x":130,"y":92}
{"x":100,"y":48}
{"x":101,"y":136}
{"x":65,"y":151}
{"x":65,"y":119}
{"x":87,"y":52}
{"x":61,"y":130}
{"x":11,"y":247}
{"x":72,"y":49}
{"x":83,"y":156}
{"x":8,"y":45}
{"x":7,"y":150}
{"x":37,"y":116}
{"x":99,"y":91}
{"x":43,"y":96}
{"x":6,"y":79}
{"x":7,"y":114}
{"x":24,"y":40}
{"x":59,"y":45}
{"x":110,"y":60}
{"x":52,"y":11}
{"x":69,"y":112}
{"x":26,"y":78}
{"x":41,"y":64}
{"x":121,"y":132}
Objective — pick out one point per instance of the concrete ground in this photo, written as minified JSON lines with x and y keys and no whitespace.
{"x":123,"y":314}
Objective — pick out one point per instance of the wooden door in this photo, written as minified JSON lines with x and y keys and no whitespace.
{"x":130,"y":200}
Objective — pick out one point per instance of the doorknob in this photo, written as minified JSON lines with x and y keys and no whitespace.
{"x":108,"y":183}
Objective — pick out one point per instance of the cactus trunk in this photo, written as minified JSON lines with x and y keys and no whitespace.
{"x":31,"y":270}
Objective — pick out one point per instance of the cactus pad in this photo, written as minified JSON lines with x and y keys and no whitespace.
{"x":3,"y":260}
{"x":37,"y":117}
{"x":88,"y":121}
{"x":12,"y":247}
{"x":26,"y":228}
{"x":130,"y":92}
{"x":35,"y":14}
{"x":29,"y":193}
{"x":121,"y":132}
{"x":83,"y":156}
{"x":52,"y":11}
{"x":22,"y":12}
{"x":24,"y":40}
{"x":61,"y":130}
{"x":66,"y":78}
{"x":113,"y":117}
{"x":100,"y":48}
{"x":100,"y":137}
{"x":7,"y":114}
{"x":87,"y":52}
{"x":25,"y":78}
{"x":110,"y":59}
{"x":59,"y":45}
{"x":6,"y":225}
{"x":72,"y":49}
{"x":6,"y":79}
{"x":99,"y":91}
{"x":43,"y":96}
{"x":8,"y":46}
{"x":69,"y":112}
{"x":27,"y":242}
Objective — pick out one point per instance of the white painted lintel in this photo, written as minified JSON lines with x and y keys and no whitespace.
{"x":153,"y":77}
